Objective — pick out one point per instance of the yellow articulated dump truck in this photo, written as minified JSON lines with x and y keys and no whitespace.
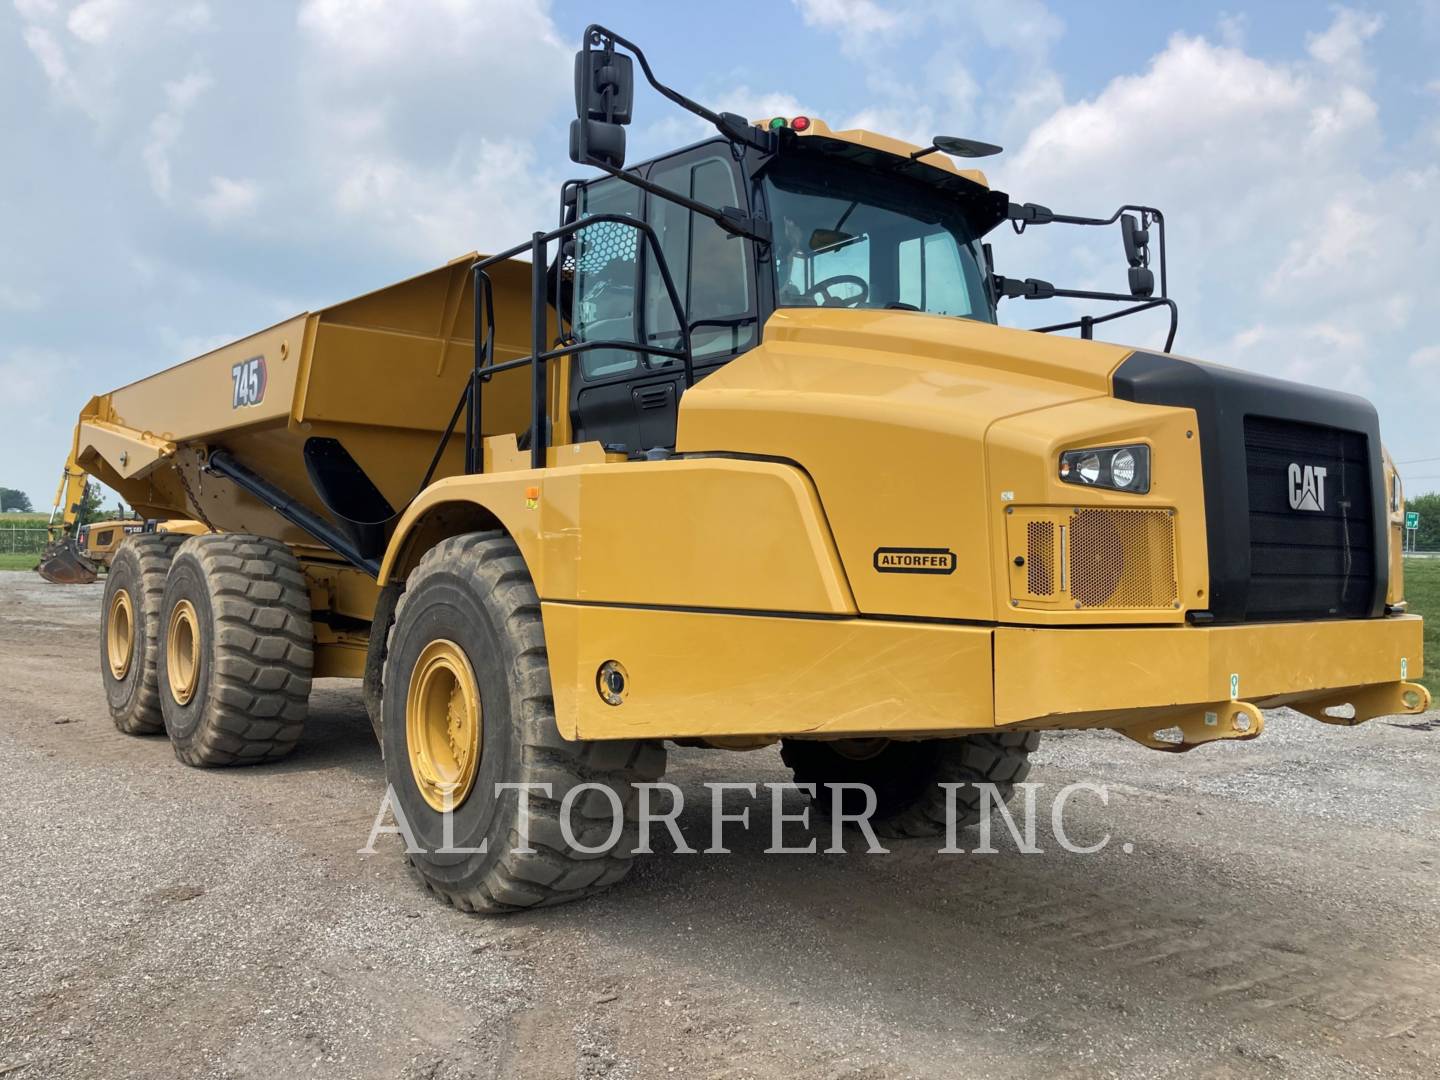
{"x":735,"y":455}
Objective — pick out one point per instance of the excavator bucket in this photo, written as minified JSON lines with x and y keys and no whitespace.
{"x":62,"y":564}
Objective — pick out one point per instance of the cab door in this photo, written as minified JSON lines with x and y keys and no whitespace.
{"x":625,"y":399}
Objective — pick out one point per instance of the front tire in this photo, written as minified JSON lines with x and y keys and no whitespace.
{"x":130,"y":631}
{"x":467,"y":706}
{"x":236,"y":650}
{"x":906,"y":775}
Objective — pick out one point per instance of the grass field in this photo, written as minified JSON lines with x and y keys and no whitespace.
{"x":1422,"y":589}
{"x":17,"y":562}
{"x":22,"y":536}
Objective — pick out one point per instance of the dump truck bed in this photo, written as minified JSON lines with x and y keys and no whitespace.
{"x":380,"y":374}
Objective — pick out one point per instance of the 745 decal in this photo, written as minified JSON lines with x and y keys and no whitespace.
{"x":248,"y":379}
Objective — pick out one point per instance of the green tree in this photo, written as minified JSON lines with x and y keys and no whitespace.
{"x":14,"y":499}
{"x":90,"y":505}
{"x":1427,"y":537}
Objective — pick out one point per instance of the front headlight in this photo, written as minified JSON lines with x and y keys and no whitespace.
{"x":1119,"y":468}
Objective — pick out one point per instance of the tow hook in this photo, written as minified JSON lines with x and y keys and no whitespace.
{"x":1203,"y":724}
{"x":1388,"y":699}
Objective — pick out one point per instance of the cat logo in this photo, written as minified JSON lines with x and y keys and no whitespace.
{"x":914,"y":560}
{"x":1307,"y":487}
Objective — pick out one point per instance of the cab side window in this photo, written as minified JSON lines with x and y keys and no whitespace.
{"x":607,"y":278}
{"x":710,"y":267}
{"x":931,"y":275}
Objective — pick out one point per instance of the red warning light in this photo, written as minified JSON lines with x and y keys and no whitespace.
{"x":800,"y":123}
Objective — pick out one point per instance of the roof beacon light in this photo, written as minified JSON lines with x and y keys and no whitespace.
{"x":800,"y":123}
{"x":778,"y":123}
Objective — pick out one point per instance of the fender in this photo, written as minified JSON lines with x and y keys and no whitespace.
{"x":714,"y":533}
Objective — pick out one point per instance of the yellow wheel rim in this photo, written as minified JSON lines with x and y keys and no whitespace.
{"x":443,"y":725}
{"x":182,"y":652}
{"x":120,"y":634}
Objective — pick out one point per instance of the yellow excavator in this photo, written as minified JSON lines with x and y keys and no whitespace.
{"x":63,"y":561}
{"x":76,"y":550}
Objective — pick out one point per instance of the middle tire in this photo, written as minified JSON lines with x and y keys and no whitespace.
{"x":467,"y":706}
{"x":906,"y":775}
{"x":130,"y":631}
{"x":236,"y":650}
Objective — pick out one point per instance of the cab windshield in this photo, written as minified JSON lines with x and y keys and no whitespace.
{"x":847,"y":237}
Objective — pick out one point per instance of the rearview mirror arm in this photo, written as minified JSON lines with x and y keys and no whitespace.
{"x":1026,"y":214}
{"x":733,"y":127}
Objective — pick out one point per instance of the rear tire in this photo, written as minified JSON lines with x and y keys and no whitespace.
{"x":906,"y":775}
{"x":471,"y":607}
{"x":236,"y":650}
{"x":130,"y":631}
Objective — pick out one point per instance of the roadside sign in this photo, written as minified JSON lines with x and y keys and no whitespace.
{"x":1412,"y":519}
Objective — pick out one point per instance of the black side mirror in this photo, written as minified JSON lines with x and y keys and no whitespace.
{"x":604,"y":92}
{"x":604,"y":85}
{"x":1137,"y":254}
{"x":594,"y":142}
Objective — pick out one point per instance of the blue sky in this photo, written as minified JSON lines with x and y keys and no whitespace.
{"x":180,"y":174}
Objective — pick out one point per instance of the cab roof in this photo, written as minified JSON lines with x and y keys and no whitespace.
{"x":869,"y":140}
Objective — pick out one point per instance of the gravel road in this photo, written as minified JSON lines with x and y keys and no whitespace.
{"x":1275,"y":914}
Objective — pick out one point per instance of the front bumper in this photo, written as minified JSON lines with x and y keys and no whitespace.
{"x":715,"y":674}
{"x":1207,"y":682}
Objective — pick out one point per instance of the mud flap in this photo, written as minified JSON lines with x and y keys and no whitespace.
{"x":62,"y":564}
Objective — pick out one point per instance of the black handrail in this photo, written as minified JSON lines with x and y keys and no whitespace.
{"x":1086,"y":323}
{"x":485,"y":369}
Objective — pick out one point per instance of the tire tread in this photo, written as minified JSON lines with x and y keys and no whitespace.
{"x":554,"y":873}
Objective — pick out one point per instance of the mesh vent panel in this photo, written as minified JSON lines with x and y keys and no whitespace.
{"x":1122,"y":559}
{"x":1040,"y":557}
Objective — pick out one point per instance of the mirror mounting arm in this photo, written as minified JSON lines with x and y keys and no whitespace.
{"x":733,"y":127}
{"x":1025,"y":214}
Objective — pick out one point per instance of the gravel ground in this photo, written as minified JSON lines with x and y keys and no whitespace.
{"x":1274,"y":915}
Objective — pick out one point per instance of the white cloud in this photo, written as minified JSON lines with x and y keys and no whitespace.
{"x":1342,"y":44}
{"x":1233,"y":27}
{"x":14,"y":299}
{"x":51,"y":57}
{"x":487,"y":199}
{"x":397,"y":134}
{"x":229,"y":199}
{"x":194,"y":16}
{"x":166,"y":128}
{"x":852,"y":18}
{"x":30,"y":377}
{"x":1343,"y":236}
{"x":36,"y":10}
{"x":1426,"y":359}
{"x":95,"y":20}
{"x":1321,"y":354}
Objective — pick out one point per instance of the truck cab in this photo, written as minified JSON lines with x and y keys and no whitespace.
{"x":854,"y":226}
